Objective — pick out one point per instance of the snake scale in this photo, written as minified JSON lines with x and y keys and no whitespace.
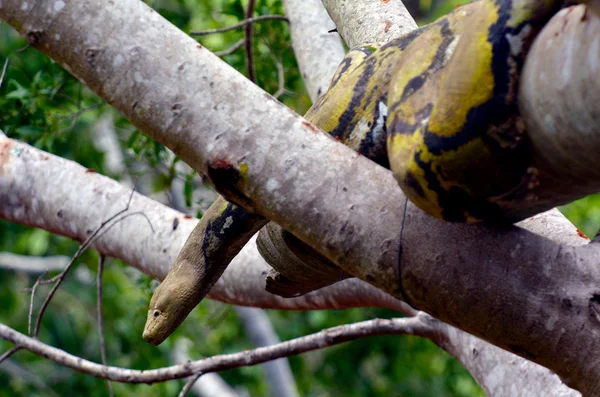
{"x":437,"y":106}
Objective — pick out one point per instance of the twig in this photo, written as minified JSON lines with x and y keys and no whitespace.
{"x":75,"y":116}
{"x":100,"y":317}
{"x":238,"y":44}
{"x":78,"y":112}
{"x":421,"y":325}
{"x":3,"y":71}
{"x":248,"y":42}
{"x":80,"y":250}
{"x":9,"y":353}
{"x":23,"y":48}
{"x":238,"y":25}
{"x":30,"y":315}
{"x":188,"y":385}
{"x":281,"y":80}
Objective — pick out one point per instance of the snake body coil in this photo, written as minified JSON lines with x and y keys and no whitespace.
{"x":443,"y":101}
{"x":438,"y":106}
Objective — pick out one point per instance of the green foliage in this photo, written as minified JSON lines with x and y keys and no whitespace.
{"x":46,"y":107}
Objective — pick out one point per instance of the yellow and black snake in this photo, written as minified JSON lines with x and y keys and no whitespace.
{"x":438,"y":106}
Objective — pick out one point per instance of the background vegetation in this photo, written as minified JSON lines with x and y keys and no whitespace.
{"x":46,"y":107}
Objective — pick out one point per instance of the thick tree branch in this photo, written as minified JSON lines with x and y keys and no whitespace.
{"x":37,"y":188}
{"x":165,"y":108}
{"x":366,"y":21}
{"x":243,"y":282}
{"x":318,"y":52}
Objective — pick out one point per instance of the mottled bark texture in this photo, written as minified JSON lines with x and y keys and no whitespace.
{"x":183,"y":96}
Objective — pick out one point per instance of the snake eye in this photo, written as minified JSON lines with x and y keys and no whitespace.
{"x":156,"y":313}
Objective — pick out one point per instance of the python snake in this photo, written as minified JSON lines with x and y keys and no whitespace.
{"x":438,"y":106}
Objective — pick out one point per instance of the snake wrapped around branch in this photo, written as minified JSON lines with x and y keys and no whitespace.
{"x":437,"y":106}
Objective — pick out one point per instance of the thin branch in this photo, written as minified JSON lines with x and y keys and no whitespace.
{"x":248,"y":42}
{"x":9,"y":353}
{"x":421,"y":325}
{"x":75,"y":116}
{"x":238,"y":44}
{"x":30,"y":315}
{"x":23,"y":49}
{"x":208,"y":385}
{"x":3,"y":71}
{"x":239,"y":25}
{"x":281,"y":80}
{"x":100,"y":317}
{"x":64,"y":273}
{"x":78,"y":112}
{"x":188,"y":385}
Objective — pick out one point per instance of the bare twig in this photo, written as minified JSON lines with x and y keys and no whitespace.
{"x":238,"y":25}
{"x":9,"y":353}
{"x":421,"y":325}
{"x":80,"y":250}
{"x":248,"y":42}
{"x":260,"y":331}
{"x":23,"y":48}
{"x":100,"y":317}
{"x":30,"y":315}
{"x":208,"y":385}
{"x":238,"y":44}
{"x":281,"y":80}
{"x":78,"y":112}
{"x":75,"y":116}
{"x":188,"y":385}
{"x":3,"y":71}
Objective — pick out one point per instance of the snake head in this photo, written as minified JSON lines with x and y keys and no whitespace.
{"x":171,"y":303}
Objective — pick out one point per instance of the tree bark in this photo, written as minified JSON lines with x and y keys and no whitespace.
{"x":147,"y":73}
{"x":32,"y":198}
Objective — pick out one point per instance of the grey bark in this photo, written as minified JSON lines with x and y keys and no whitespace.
{"x":25,"y":181}
{"x":164,"y":107}
{"x":367,"y":21}
{"x":316,"y":50}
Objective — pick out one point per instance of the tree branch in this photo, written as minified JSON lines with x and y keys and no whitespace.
{"x":318,"y":53}
{"x":38,"y":197}
{"x":369,"y":251}
{"x":366,"y":21}
{"x":28,"y":195}
{"x":245,"y":22}
{"x":329,"y":337}
{"x":207,"y":385}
